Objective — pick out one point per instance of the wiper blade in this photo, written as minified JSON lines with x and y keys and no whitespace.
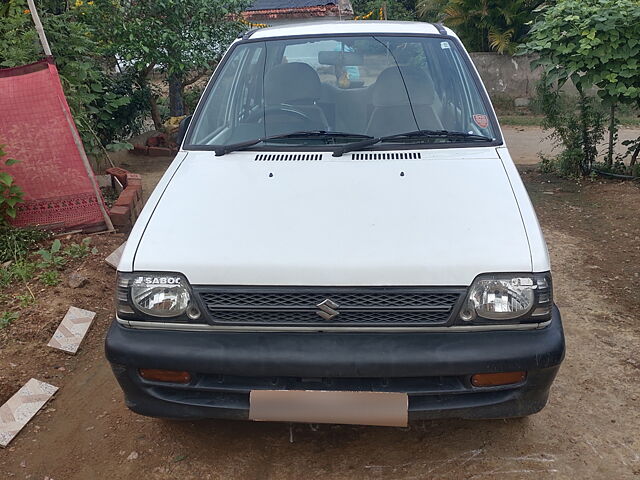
{"x":325,"y":133}
{"x":350,"y":147}
{"x":234,"y":147}
{"x":418,"y":134}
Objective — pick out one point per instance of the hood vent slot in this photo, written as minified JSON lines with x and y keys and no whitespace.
{"x":386,"y":156}
{"x":287,"y":157}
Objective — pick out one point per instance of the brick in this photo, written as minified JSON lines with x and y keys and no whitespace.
{"x":140,"y":150}
{"x":154,"y":141}
{"x":119,"y":173}
{"x":134,"y":182}
{"x":120,"y":216}
{"x":125,"y":198}
{"x":159,"y":152}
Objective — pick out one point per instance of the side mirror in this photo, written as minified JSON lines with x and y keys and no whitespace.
{"x":182,"y":129}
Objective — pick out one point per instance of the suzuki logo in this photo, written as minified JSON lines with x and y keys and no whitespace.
{"x":327,"y":309}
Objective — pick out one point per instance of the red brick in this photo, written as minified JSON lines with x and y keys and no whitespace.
{"x":159,"y":152}
{"x":125,"y":198}
{"x":120,"y":216}
{"x":154,"y":141}
{"x":140,"y":150}
{"x":119,"y":173}
{"x":137,"y":189}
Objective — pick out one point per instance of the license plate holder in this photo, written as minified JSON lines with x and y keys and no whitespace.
{"x":321,"y":406}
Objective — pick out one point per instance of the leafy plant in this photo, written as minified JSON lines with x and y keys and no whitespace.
{"x":25,"y":300}
{"x":18,"y":38}
{"x":10,"y":193}
{"x":15,"y":243}
{"x":484,"y":25}
{"x":7,"y":318}
{"x":576,"y":124}
{"x":22,"y":270}
{"x":51,"y":278}
{"x":79,"y":250}
{"x":593,"y":43}
{"x":52,"y":258}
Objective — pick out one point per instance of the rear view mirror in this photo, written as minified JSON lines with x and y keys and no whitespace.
{"x":182,"y":129}
{"x":341,"y":59}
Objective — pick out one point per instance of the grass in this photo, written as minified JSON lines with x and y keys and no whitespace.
{"x":7,"y":318}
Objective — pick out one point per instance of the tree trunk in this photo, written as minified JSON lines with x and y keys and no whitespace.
{"x":155,"y":113}
{"x":636,"y":154}
{"x":176,"y":100}
{"x":613,"y":133}
{"x":587,"y":160}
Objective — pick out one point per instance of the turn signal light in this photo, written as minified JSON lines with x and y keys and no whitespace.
{"x":496,"y":379}
{"x":172,"y":376}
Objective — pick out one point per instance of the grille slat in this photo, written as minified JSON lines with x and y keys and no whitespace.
{"x":287,"y":307}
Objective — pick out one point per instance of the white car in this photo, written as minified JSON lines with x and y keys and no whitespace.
{"x":342,"y":238}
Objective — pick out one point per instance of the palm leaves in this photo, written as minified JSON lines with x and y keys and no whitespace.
{"x":484,"y":24}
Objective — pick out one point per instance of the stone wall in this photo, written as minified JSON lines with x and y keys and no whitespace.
{"x":507,"y":77}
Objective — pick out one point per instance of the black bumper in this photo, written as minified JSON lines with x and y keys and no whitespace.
{"x":433,"y":368}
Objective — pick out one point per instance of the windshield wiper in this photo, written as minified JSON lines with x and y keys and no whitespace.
{"x":234,"y":147}
{"x":419,"y":134}
{"x":415,"y":135}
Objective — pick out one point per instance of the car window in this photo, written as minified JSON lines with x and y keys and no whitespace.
{"x":363,"y":85}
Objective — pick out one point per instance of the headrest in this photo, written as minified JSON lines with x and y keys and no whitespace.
{"x":389,"y":89}
{"x":291,"y":83}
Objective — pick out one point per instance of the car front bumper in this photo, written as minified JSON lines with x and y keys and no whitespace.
{"x":434,"y":369}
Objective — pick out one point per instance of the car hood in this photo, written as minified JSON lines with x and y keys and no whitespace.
{"x":237,"y":220}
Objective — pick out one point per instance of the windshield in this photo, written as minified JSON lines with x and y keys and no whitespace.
{"x":341,"y":89}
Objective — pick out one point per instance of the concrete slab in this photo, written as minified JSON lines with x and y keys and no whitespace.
{"x":114,"y":258}
{"x":72,"y":330}
{"x":22,"y":407}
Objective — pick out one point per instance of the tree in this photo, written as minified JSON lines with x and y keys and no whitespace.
{"x":102,"y":114}
{"x":394,"y":9}
{"x":593,"y":43}
{"x":181,"y":37}
{"x":484,"y":25}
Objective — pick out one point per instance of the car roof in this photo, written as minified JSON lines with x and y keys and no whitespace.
{"x":351,"y":27}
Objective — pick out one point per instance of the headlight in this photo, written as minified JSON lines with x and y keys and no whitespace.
{"x":498,"y":297}
{"x":156,"y":295}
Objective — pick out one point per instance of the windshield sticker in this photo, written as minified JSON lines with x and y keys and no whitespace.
{"x":444,"y":45}
{"x":481,"y":120}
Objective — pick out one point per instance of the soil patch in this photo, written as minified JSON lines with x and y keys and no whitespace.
{"x":23,"y":344}
{"x":603,"y":214}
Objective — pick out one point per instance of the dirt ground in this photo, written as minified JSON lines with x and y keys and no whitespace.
{"x":525,"y":143}
{"x":589,"y":430}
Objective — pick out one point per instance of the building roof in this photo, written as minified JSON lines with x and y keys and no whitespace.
{"x":288,"y":4}
{"x":349,"y":27}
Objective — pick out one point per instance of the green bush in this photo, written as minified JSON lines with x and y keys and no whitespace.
{"x":593,"y":43}
{"x":50,"y":278}
{"x":576,"y":124}
{"x":16,"y":243}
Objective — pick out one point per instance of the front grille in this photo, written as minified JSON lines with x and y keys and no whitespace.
{"x":347,"y":307}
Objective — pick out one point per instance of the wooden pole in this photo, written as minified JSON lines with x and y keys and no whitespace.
{"x":39,"y":29}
